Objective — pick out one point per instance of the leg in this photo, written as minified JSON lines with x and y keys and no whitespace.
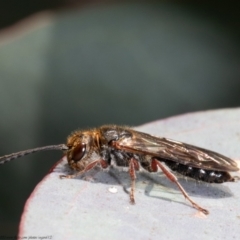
{"x":102,"y":163}
{"x":133,"y":165}
{"x":172,"y":178}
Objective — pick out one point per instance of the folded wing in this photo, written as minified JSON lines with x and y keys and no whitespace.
{"x":176,"y":151}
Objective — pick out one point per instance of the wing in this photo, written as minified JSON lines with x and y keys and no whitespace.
{"x":142,"y":143}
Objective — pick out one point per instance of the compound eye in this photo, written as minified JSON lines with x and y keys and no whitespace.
{"x":78,"y":152}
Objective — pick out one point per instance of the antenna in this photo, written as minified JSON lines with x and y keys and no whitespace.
{"x":12,"y":156}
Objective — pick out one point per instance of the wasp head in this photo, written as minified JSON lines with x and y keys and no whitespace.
{"x":81,"y":146}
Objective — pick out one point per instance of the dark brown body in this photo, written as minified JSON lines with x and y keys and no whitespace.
{"x":120,"y":144}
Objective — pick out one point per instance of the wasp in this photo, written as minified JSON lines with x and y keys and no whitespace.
{"x":125,"y":147}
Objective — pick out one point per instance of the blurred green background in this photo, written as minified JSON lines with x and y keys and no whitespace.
{"x":87,"y":63}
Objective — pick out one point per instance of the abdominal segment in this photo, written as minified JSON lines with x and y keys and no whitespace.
{"x":211,"y":176}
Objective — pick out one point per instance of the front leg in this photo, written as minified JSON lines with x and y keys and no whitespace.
{"x":90,"y":166}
